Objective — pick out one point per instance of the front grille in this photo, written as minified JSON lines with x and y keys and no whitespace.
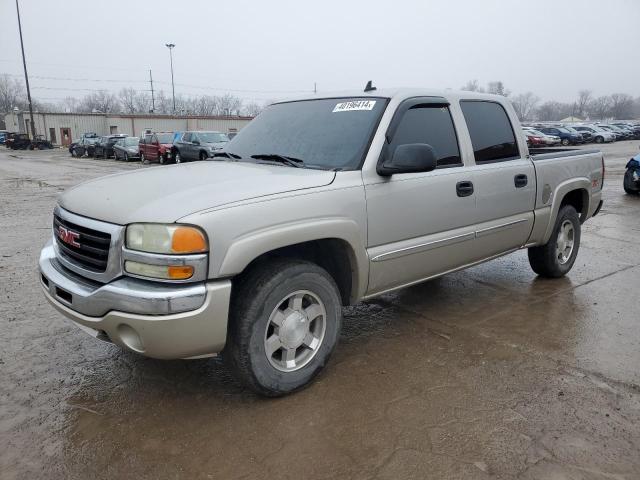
{"x":93,"y":252}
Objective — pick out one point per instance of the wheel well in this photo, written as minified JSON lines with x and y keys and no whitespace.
{"x":578,"y":199}
{"x":332,"y":254}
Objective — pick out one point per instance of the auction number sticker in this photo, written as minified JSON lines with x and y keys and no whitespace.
{"x":354,"y":106}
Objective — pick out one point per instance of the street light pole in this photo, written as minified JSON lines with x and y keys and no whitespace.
{"x":26,"y":77}
{"x":173,"y":89}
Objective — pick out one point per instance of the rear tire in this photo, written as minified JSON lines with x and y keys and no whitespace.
{"x":599,"y":139}
{"x":557,"y":256}
{"x":285,"y":323}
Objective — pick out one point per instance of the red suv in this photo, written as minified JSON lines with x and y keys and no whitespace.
{"x":156,"y":147}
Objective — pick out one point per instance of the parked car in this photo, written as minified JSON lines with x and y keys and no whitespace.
{"x":628,"y":132}
{"x":84,"y":146}
{"x":598,"y":135}
{"x":3,"y":136}
{"x":156,"y":147}
{"x":615,"y":132}
{"x":566,"y":137}
{"x":19,"y":141}
{"x":126,"y":149}
{"x":631,"y":181}
{"x":257,"y":256}
{"x":586,"y":136}
{"x":549,"y":140}
{"x":534,"y":140}
{"x":634,"y":130}
{"x":197,"y":145}
{"x":104,"y":146}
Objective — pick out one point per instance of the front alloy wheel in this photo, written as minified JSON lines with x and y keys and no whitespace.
{"x":285,"y":321}
{"x":295,"y":331}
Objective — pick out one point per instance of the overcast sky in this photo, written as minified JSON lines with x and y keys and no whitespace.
{"x":263,"y":50}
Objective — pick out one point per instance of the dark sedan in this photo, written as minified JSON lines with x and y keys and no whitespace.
{"x":104,"y":146}
{"x":84,"y":146}
{"x":127,"y":149}
{"x":566,"y":137}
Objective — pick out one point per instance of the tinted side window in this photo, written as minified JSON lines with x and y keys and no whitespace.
{"x":432,"y":125}
{"x":186,"y":137}
{"x":490,"y":130}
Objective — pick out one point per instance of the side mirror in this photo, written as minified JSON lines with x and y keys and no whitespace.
{"x":409,"y":158}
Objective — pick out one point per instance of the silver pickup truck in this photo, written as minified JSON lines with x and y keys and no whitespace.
{"x":318,"y":203}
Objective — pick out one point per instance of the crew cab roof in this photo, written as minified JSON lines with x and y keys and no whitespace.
{"x":400,"y":94}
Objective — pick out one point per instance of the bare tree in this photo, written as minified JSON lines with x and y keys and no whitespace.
{"x":252,"y":109}
{"x":143,"y":102}
{"x":584,"y":98}
{"x":472,"y":86}
{"x":163,"y":103}
{"x":127,"y":97}
{"x":600,"y":108}
{"x":12,"y":94}
{"x":525,"y":104}
{"x":101,"y":101}
{"x":229,"y":104}
{"x":70,"y":104}
{"x":621,"y":106}
{"x":497,"y":88}
{"x":206,"y":105}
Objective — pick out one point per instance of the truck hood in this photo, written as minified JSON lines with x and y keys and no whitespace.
{"x":166,"y":194}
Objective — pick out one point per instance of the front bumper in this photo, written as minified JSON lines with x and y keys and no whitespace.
{"x":154,"y":319}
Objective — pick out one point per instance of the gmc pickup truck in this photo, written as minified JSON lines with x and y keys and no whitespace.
{"x":318,"y":203}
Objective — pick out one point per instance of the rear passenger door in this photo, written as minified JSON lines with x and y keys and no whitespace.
{"x":503,"y":176}
{"x":420,"y":224}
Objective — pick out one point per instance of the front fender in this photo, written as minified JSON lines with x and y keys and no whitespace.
{"x":252,"y":245}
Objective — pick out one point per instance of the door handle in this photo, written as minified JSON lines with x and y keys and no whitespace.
{"x":520,"y":180}
{"x":464,"y":188}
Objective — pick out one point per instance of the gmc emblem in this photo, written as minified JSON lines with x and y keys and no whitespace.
{"x":68,"y":236}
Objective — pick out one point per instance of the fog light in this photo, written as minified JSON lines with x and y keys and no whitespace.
{"x":167,"y":272}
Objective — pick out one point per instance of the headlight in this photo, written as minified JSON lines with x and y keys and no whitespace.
{"x":167,"y":239}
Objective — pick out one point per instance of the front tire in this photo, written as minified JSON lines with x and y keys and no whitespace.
{"x":203,"y":156}
{"x":557,"y":256}
{"x":285,"y":324}
{"x":599,"y":139}
{"x":176,"y":157}
{"x":565,"y":142}
{"x":126,"y":157}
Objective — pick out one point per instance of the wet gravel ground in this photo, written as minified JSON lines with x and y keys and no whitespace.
{"x":486,"y":373}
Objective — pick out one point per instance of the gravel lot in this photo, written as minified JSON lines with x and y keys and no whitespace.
{"x":485,"y":373}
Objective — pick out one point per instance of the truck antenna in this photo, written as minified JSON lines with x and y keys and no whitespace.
{"x":369,"y":87}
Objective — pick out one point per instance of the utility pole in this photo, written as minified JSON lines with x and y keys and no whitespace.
{"x":315,"y":90}
{"x":26,"y":77}
{"x":173,"y":90}
{"x":153,"y":101}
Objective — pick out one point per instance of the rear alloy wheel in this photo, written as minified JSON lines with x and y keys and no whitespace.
{"x":142,"y":159}
{"x":555,"y":258}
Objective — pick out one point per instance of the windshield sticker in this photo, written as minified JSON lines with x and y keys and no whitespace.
{"x":354,"y":105}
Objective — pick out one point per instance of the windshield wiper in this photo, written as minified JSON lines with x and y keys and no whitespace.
{"x":226,"y":154}
{"x":276,"y":157}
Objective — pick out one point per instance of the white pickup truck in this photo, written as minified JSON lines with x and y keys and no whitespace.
{"x":318,"y":203}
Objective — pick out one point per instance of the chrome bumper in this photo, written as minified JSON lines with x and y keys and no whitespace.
{"x":154,"y":319}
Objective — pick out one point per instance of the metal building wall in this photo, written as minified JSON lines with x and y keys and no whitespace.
{"x":101,"y":124}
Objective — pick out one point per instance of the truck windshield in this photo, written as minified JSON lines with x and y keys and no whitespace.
{"x":326,"y":133}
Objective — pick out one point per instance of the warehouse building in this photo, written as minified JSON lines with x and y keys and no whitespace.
{"x":63,"y":128}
